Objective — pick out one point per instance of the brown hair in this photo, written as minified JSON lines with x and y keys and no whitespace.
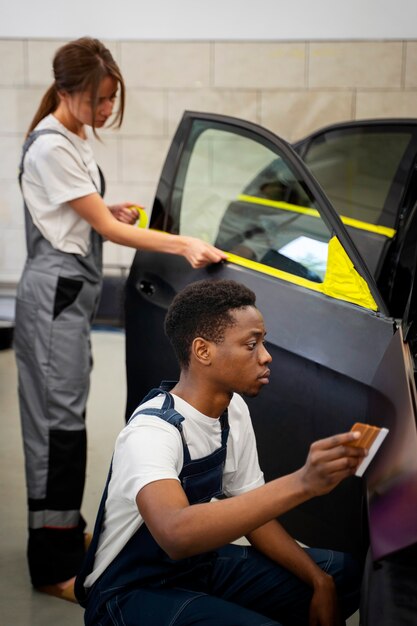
{"x":79,"y":66}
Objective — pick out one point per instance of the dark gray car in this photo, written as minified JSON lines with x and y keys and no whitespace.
{"x":332,"y":272}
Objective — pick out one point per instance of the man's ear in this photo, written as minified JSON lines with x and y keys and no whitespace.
{"x":201,"y":350}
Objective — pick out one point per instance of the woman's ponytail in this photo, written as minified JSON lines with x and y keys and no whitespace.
{"x":80,"y":66}
{"x":48,"y":105}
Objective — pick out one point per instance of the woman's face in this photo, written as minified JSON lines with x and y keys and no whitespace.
{"x":80,"y":106}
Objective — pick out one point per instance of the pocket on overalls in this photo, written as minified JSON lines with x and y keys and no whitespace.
{"x":67,"y":290}
{"x":25,"y":326}
{"x":68,"y":378}
{"x":204,"y":486}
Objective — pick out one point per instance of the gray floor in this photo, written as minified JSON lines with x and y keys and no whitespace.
{"x":19,"y":604}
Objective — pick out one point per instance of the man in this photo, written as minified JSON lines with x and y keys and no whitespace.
{"x":160,"y":553}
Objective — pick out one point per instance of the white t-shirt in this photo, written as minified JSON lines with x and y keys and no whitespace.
{"x":150,"y":449}
{"x":57,"y":171}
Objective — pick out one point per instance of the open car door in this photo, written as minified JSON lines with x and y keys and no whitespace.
{"x":367,"y":169}
{"x":244,"y":189}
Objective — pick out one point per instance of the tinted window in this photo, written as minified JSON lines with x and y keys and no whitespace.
{"x":244,"y":197}
{"x":356,"y":168}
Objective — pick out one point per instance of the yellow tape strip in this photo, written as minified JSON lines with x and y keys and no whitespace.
{"x":341,"y":281}
{"x":143,"y":217}
{"x":349,"y":221}
{"x":273,"y":271}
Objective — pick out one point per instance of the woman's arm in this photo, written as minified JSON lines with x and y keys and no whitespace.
{"x":93,"y":209}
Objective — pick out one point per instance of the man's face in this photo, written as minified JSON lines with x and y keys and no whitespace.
{"x":240,"y":362}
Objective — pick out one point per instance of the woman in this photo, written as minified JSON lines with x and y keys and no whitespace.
{"x":66,"y":221}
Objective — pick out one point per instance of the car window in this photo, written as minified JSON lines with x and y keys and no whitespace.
{"x":244,"y":198}
{"x":357,"y":169}
{"x":250,"y":195}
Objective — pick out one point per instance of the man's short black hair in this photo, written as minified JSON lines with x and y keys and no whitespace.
{"x":203,"y":309}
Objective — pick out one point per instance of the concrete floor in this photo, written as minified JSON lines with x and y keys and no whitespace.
{"x":19,"y":604}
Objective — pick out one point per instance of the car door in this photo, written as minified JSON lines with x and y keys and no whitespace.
{"x":368,"y":171}
{"x":241,"y":187}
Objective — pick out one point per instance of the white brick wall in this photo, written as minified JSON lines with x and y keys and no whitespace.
{"x":291,"y":88}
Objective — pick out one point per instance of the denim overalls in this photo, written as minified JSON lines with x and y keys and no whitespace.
{"x":236,"y":585}
{"x":142,"y":562}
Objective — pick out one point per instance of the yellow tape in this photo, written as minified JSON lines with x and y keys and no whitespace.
{"x":348,"y":221}
{"x":143,"y":217}
{"x":341,"y":281}
{"x":273,"y":271}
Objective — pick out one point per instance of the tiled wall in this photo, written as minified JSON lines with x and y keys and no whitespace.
{"x":291,"y":88}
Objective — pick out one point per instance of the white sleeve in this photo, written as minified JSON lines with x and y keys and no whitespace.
{"x":148,"y":450}
{"x":242,"y":472}
{"x":61,"y":170}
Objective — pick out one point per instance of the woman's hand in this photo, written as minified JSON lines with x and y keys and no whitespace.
{"x":113,"y":223}
{"x":124,"y":212}
{"x":200,"y":253}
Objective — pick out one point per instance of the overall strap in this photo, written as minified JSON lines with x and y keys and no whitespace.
{"x":225,"y":428}
{"x":51,"y":131}
{"x":167,"y":412}
{"x":165,"y":386}
{"x":29,"y":141}
{"x":168,"y":403}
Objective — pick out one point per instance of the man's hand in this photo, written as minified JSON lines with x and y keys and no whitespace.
{"x":324,"y":609}
{"x":330,"y":461}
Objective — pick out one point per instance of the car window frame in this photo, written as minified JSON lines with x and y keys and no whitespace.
{"x":398,"y":186}
{"x":176,"y":165}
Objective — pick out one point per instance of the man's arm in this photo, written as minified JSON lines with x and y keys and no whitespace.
{"x":183,"y":530}
{"x":273,"y":540}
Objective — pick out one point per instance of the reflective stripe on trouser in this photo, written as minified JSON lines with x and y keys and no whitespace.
{"x":53,"y":519}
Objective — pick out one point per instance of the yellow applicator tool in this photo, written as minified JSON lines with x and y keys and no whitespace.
{"x":143,"y":217}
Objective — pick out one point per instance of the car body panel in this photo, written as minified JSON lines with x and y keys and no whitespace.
{"x":392,"y":476}
{"x":326,"y":350}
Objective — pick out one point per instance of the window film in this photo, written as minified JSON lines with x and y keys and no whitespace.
{"x":244,"y":198}
{"x":357,"y":169}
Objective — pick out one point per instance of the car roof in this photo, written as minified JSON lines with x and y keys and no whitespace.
{"x":394,"y":121}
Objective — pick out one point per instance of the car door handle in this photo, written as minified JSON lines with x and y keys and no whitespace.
{"x":157,"y":291}
{"x":147,"y":288}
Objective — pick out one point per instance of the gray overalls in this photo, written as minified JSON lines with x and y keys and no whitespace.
{"x":56,"y":299}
